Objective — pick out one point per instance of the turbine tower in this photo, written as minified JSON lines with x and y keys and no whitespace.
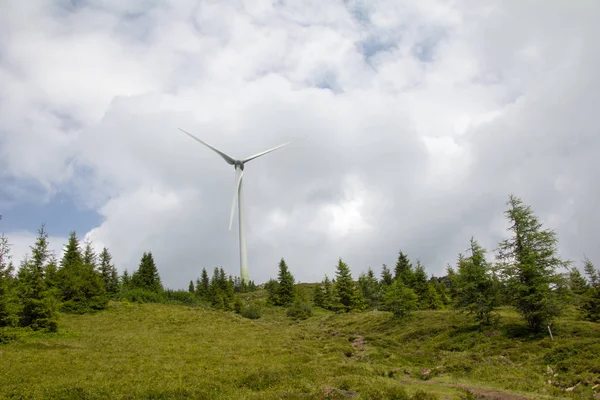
{"x":237,"y":197}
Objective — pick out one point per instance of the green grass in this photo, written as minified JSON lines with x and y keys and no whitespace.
{"x":158,"y":351}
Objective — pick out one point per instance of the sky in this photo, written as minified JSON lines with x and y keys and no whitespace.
{"x":410,"y":122}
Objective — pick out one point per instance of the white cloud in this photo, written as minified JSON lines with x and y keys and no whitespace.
{"x":417,"y":119}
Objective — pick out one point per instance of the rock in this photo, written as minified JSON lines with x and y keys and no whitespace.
{"x":596,"y":386}
{"x":572,"y":387}
{"x":425,"y":371}
{"x":549,"y":382}
{"x":597,"y":396}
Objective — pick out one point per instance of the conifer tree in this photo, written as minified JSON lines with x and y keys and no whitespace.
{"x":38,"y":307}
{"x":386,"y":276}
{"x":590,"y":305}
{"x":400,"y":299}
{"x":202,"y":288}
{"x":529,"y":262}
{"x":125,"y":280}
{"x":346,"y":296}
{"x":81,"y":286}
{"x":285,"y":287}
{"x":474,"y":285}
{"x":272,"y":288}
{"x":318,"y":296}
{"x":417,"y":280}
{"x":147,"y":277}
{"x":191,"y":287}
{"x":8,"y":315}
{"x":369,"y":287}
{"x":89,"y":257}
{"x":404,"y":271}
{"x":109,"y":273}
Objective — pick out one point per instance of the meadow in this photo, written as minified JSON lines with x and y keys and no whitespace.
{"x":160,"y":351}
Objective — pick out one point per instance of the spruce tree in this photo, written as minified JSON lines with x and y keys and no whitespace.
{"x":386,"y":277}
{"x":399,"y":299}
{"x":369,"y":287}
{"x":191,"y":287}
{"x":38,"y":307}
{"x":81,"y":286}
{"x":285,"y":287}
{"x":404,"y":271}
{"x":346,"y":296}
{"x":109,"y":273}
{"x":89,"y":257}
{"x":417,"y":280}
{"x":328,"y":294}
{"x":590,"y":304}
{"x":318,"y":296}
{"x":204,"y":285}
{"x":125,"y":280}
{"x":147,"y":277}
{"x":475,"y":289}
{"x":529,"y":262}
{"x":8,"y":315}
{"x":272,"y":288}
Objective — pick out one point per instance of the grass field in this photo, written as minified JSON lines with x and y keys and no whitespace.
{"x":157,"y":351}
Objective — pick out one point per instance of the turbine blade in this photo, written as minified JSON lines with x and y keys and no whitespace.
{"x":264,"y":152}
{"x":238,"y":181}
{"x":230,"y":160}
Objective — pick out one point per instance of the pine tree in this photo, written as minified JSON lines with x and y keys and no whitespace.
{"x":417,"y":280}
{"x":368,"y":285}
{"x":89,"y":257}
{"x":474,"y":285}
{"x":8,"y":316}
{"x":404,"y":271}
{"x":529,"y":261}
{"x":400,"y":299}
{"x":110,"y":277}
{"x":386,"y":276}
{"x":38,"y":307}
{"x":125,"y":280}
{"x":272,"y":288}
{"x":318,"y":296}
{"x":346,"y":297}
{"x":81,"y":286}
{"x":191,"y":287}
{"x":147,"y":277}
{"x":285,"y":287}
{"x":590,"y":304}
{"x":204,"y":285}
{"x":328,"y":294}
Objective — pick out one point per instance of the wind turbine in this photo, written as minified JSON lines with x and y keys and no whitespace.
{"x":237,"y":197}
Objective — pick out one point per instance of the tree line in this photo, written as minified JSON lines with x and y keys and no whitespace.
{"x":527,"y":274}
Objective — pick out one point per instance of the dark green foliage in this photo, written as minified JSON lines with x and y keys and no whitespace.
{"x":368,"y":285}
{"x":285,"y":292}
{"x":318,"y":297}
{"x":251,"y":311}
{"x":400,"y":299}
{"x":125,"y":281}
{"x":386,"y":276}
{"x":590,"y":303}
{"x":38,"y":308}
{"x":529,"y":261}
{"x":147,"y":277}
{"x":110,"y":277}
{"x":8,"y":306}
{"x":191,"y":288}
{"x":299,"y":310}
{"x":220,"y":293}
{"x":475,"y":289}
{"x":89,"y":257}
{"x":81,"y":286}
{"x":404,"y":271}
{"x":203,"y":286}
{"x":347,"y":296}
{"x":577,"y":283}
{"x":272,"y":287}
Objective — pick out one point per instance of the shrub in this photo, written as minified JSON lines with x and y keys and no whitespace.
{"x":251,"y":312}
{"x":299,"y":310}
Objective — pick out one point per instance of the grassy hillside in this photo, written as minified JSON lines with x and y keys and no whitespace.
{"x":166,"y":351}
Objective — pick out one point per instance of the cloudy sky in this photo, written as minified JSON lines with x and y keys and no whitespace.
{"x":411,"y":123}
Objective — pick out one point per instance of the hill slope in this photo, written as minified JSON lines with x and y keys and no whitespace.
{"x":166,"y":351}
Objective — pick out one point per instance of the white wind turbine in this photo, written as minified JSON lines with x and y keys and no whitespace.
{"x":237,"y":197}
